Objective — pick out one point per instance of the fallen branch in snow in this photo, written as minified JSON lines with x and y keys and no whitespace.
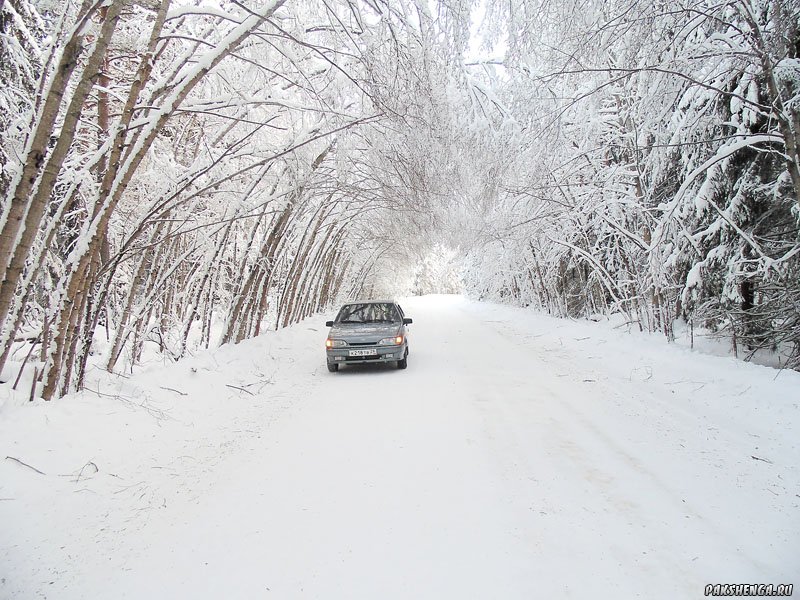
{"x":239,"y":388}
{"x":761,"y":459}
{"x":157,"y":413}
{"x":24,"y":464}
{"x":645,"y":370}
{"x":80,"y":474}
{"x":127,"y":487}
{"x":173,"y":390}
{"x":261,"y":381}
{"x":104,"y":395}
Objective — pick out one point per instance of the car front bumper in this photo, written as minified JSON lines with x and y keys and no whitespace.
{"x":341,"y":356}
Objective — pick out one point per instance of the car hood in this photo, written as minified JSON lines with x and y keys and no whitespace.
{"x":364,"y":332}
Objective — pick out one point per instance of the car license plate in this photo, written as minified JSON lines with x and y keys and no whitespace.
{"x":365,"y":352}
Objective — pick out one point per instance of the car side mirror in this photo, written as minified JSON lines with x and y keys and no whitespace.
{"x":328,"y":323}
{"x":407,"y":321}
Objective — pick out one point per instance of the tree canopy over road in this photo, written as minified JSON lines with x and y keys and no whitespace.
{"x":179,"y":174}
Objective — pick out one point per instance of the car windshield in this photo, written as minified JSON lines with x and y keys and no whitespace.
{"x":372,"y":312}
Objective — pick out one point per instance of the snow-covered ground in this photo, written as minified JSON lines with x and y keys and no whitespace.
{"x":518,"y":456}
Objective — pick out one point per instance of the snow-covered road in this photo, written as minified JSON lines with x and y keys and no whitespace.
{"x":517,"y":457}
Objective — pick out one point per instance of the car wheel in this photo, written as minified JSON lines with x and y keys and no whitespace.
{"x":403,"y":363}
{"x":333,"y":367}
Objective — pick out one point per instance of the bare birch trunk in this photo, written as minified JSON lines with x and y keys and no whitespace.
{"x":307,"y":277}
{"x":37,"y":150}
{"x":30,"y":199}
{"x":197,"y":296}
{"x":136,"y":284}
{"x":121,"y":169}
{"x":234,"y":329}
{"x":299,"y":263}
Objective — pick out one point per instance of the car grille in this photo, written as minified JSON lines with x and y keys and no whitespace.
{"x":362,"y":344}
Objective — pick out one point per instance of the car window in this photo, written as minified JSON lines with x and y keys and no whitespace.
{"x":371,"y":312}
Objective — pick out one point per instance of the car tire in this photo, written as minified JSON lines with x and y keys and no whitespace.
{"x":403,"y":363}
{"x":333,"y":367}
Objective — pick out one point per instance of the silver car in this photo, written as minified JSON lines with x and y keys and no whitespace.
{"x":368,"y":332}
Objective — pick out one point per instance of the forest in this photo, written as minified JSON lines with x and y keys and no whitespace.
{"x":180,"y":174}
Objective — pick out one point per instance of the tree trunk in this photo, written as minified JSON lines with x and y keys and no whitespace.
{"x":37,"y":150}
{"x":31,"y":200}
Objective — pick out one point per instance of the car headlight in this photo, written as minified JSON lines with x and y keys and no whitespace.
{"x":391,"y":341}
{"x":329,"y":343}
